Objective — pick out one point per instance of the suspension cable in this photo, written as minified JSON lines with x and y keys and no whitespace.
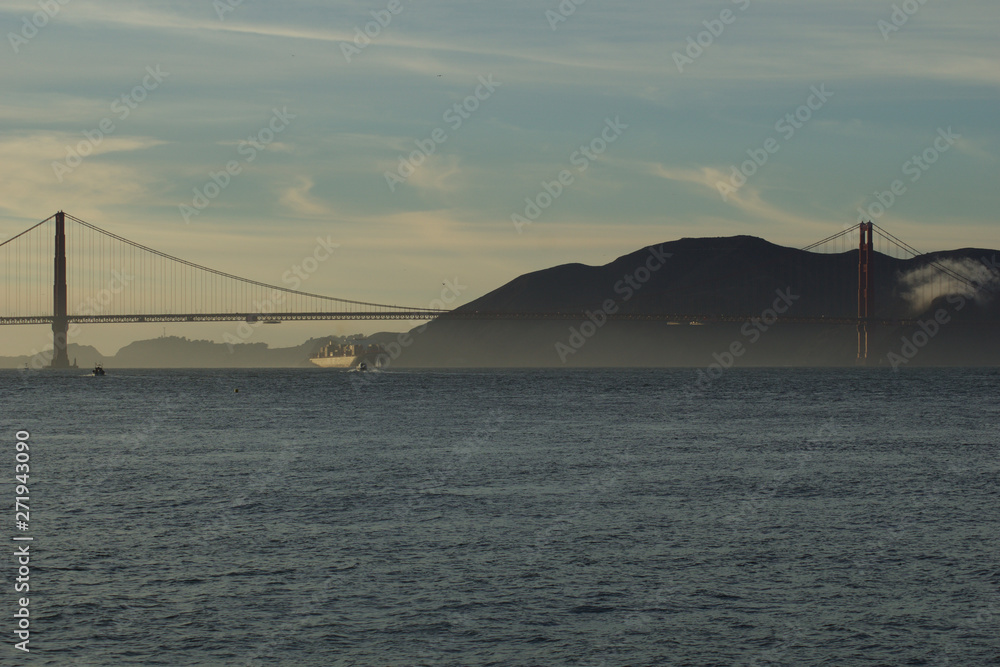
{"x":230,"y":276}
{"x":916,"y":253}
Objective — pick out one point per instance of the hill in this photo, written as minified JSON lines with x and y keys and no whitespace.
{"x":741,"y":275}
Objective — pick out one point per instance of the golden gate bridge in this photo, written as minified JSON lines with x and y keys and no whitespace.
{"x":113,"y":280}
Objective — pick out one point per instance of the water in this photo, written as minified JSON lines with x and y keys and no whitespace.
{"x":785,"y":517}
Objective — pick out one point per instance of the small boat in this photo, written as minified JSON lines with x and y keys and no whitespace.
{"x":362,"y":366}
{"x":99,"y":370}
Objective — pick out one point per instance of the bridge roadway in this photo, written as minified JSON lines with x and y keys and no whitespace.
{"x":418,"y":315}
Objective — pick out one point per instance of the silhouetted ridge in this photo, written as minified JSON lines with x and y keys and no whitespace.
{"x":733,"y":276}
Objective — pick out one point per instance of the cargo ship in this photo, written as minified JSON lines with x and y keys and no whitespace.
{"x":347,"y":355}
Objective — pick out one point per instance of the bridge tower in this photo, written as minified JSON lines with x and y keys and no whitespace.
{"x":866,"y":290}
{"x":60,"y":324}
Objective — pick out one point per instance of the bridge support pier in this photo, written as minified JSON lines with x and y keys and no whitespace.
{"x":60,"y":323}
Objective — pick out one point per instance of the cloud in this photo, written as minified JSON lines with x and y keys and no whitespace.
{"x":31,"y":185}
{"x":136,"y":15}
{"x":925,"y":284}
{"x":747,"y":199}
{"x":440,"y":174}
{"x":298,"y":199}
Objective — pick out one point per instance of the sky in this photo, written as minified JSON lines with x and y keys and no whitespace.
{"x":471,"y":142}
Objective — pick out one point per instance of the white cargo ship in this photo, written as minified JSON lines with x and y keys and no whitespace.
{"x":346,"y":355}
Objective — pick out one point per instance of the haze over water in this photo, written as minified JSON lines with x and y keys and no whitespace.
{"x":785,"y":517}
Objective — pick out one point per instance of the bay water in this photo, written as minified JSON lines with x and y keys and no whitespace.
{"x":507,"y":517}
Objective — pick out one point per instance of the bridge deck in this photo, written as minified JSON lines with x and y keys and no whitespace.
{"x":418,"y":315}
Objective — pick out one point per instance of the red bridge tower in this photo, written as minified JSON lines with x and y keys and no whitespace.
{"x":866,"y":292}
{"x":60,"y":326}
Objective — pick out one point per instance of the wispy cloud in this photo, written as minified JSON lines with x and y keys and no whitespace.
{"x":300,"y":201}
{"x":746,"y":200}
